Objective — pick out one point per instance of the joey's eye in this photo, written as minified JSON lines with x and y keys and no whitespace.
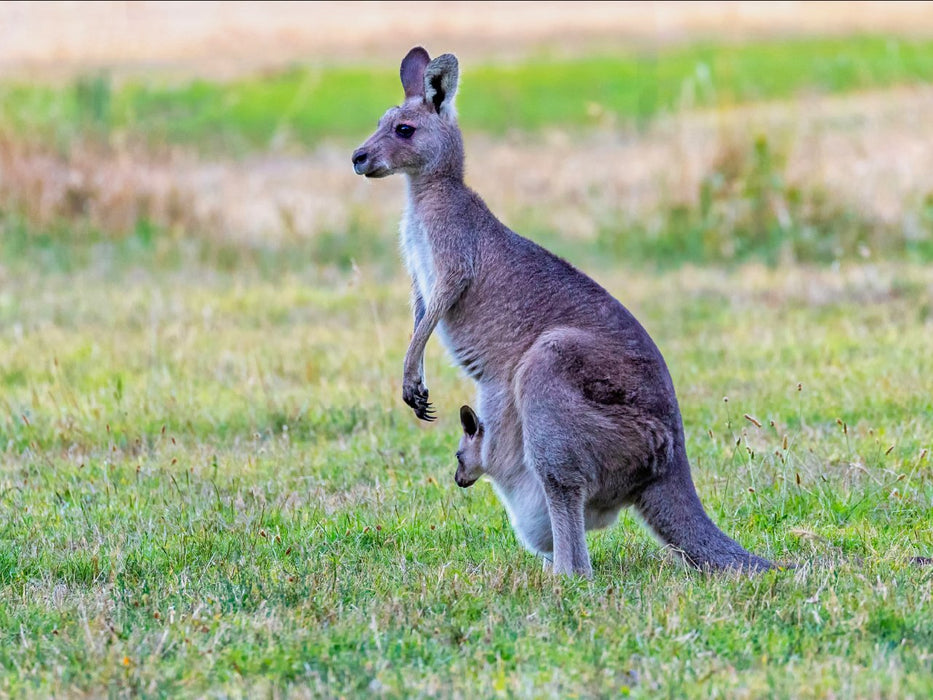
{"x":405,"y":130}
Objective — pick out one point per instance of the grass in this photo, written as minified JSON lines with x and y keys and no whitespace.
{"x":746,"y":209}
{"x":210,"y":485}
{"x":304,"y":105}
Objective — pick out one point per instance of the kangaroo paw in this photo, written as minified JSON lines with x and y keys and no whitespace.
{"x":416,"y":395}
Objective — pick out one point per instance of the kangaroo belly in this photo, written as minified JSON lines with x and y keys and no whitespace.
{"x":466,"y":354}
{"x":481,"y":340}
{"x":595,"y":518}
{"x":528,"y":513}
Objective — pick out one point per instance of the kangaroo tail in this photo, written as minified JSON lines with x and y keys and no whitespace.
{"x":671,"y":508}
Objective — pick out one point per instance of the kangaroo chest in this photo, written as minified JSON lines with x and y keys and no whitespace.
{"x":419,"y":259}
{"x":416,"y":251}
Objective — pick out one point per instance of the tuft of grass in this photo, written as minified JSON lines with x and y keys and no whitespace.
{"x":747,"y":209}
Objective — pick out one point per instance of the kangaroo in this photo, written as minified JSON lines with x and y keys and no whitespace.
{"x":579,"y":414}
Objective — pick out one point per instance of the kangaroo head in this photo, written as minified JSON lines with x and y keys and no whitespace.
{"x":470,"y":451}
{"x":421,"y":136}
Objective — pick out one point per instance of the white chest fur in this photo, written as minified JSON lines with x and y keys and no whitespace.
{"x":416,"y":251}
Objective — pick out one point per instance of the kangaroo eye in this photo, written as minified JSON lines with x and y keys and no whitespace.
{"x":405,"y":130}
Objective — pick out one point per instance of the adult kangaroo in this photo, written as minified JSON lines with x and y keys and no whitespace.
{"x":579,"y":415}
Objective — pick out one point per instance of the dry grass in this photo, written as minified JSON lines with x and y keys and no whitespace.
{"x":869,"y":152}
{"x":108,"y":188}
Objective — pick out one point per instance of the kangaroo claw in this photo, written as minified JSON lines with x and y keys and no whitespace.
{"x":416,"y":396}
{"x":426,"y":413}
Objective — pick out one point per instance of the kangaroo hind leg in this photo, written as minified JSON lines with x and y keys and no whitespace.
{"x":553,"y":451}
{"x":571,"y":555}
{"x":555,"y":462}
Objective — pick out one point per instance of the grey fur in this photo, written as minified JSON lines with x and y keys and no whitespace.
{"x":579,"y":415}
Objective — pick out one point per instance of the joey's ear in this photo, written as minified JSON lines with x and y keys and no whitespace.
{"x":469,"y":421}
{"x":412,"y":71}
{"x":440,"y":84}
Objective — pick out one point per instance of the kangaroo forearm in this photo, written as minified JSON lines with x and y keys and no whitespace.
{"x":414,"y":356}
{"x":442,"y":300}
{"x":418,"y":307}
{"x":419,"y":311}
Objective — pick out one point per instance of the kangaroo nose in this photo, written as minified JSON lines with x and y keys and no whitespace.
{"x":359,"y":157}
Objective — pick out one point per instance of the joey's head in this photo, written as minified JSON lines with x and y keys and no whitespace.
{"x":419,"y":137}
{"x":470,"y":451}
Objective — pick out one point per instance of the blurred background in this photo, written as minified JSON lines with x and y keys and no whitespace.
{"x":640,"y":132}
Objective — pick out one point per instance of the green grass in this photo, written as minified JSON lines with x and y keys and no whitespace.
{"x":209,"y":485}
{"x":304,"y":105}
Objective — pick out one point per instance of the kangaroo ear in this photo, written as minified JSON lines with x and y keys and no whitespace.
{"x":469,"y":421}
{"x":440,"y":84}
{"x":412,"y":71}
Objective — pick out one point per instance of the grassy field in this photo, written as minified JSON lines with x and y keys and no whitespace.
{"x":305,"y":105}
{"x":209,"y":484}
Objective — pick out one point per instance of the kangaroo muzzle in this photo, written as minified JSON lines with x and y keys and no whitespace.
{"x":464,"y":482}
{"x":360,"y":161}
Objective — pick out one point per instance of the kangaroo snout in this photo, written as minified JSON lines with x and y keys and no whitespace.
{"x":463,"y":481}
{"x":360,"y":156}
{"x":369,"y":161}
